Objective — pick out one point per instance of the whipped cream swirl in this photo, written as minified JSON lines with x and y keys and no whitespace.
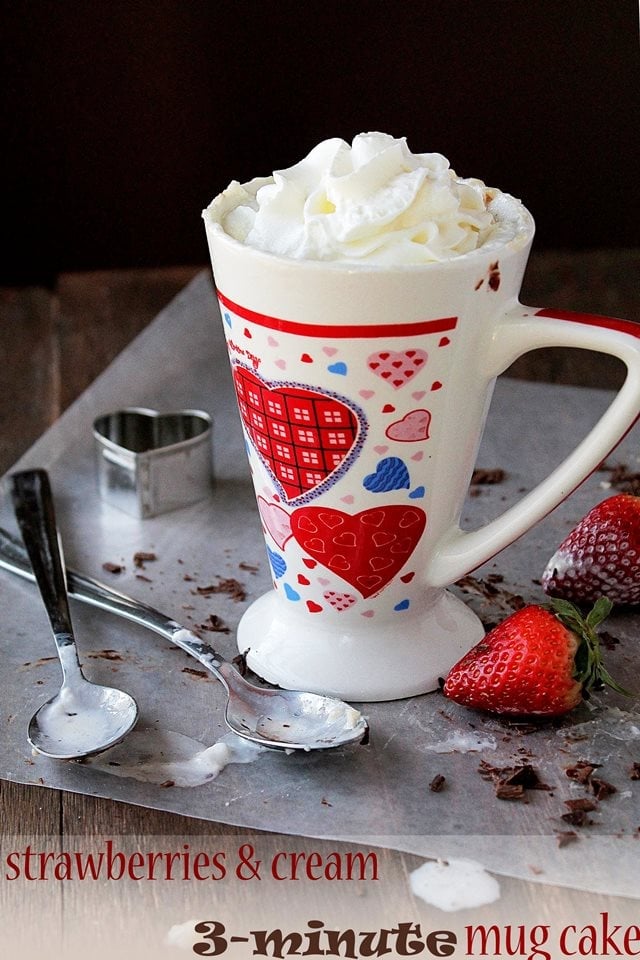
{"x":373,"y":202}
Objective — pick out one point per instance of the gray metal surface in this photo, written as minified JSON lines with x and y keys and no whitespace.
{"x":380,"y":792}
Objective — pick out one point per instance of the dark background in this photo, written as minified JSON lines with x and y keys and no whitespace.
{"x":124,"y":119}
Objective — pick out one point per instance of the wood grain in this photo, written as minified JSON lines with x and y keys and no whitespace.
{"x":593,"y":281}
{"x":29,"y":386}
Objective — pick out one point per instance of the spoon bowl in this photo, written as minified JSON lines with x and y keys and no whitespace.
{"x":81,"y":720}
{"x":290,"y":719}
{"x":84,"y":718}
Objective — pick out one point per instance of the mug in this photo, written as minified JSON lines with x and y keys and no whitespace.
{"x":363,"y":393}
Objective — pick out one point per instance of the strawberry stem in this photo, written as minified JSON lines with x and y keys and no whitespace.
{"x":589,"y":669}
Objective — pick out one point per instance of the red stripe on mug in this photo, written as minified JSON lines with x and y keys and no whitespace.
{"x":352,"y":331}
{"x":592,"y":320}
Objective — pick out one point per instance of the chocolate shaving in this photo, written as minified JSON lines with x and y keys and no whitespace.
{"x":608,"y":640}
{"x":577,"y":818}
{"x":511,"y":782}
{"x":107,"y":655}
{"x":494,"y":275}
{"x":520,"y":726}
{"x":584,"y":804}
{"x":622,"y":478}
{"x":483,"y":478}
{"x":566,"y":837}
{"x":240,"y":663}
{"x":113,"y":567}
{"x":214,"y":624}
{"x":325,"y":802}
{"x":437,"y":783}
{"x":634,"y":773}
{"x":602,"y":789}
{"x":496,"y":601}
{"x":509,"y":791}
{"x":249,"y":567}
{"x":227,"y":585}
{"x":195,"y":673}
{"x":142,"y":557}
{"x":581,"y":771}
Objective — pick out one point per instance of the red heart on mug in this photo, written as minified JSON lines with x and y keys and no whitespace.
{"x":366,"y":549}
{"x":305,"y":438}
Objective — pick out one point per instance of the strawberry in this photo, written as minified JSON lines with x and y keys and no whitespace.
{"x":601,"y":555}
{"x":536,"y":662}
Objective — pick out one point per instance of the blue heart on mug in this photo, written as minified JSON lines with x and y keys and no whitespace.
{"x":290,"y":593}
{"x":278,"y":563}
{"x":391,"y":474}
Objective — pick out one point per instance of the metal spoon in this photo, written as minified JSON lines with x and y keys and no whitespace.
{"x":84,"y":718}
{"x":279,"y":719}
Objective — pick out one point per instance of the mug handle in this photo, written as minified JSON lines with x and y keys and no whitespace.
{"x":520,"y":330}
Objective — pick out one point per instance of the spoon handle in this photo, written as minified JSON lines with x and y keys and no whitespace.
{"x":33,"y":505}
{"x":96,"y":594}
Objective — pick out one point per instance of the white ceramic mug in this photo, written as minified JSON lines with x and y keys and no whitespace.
{"x":363,"y":393}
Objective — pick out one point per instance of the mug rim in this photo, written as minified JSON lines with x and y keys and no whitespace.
{"x":515,"y":243}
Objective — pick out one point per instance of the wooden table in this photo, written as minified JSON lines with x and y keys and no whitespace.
{"x":53,"y":343}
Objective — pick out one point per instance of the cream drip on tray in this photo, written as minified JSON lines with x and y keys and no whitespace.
{"x":454,"y":884}
{"x":172,"y":759}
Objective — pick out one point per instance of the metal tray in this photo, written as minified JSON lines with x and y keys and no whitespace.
{"x":381,"y":792}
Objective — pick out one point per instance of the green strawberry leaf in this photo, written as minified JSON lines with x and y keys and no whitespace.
{"x":589,"y":668}
{"x":601,"y":610}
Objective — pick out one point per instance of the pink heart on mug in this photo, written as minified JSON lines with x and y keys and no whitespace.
{"x":397,"y":367}
{"x":276,"y":521}
{"x":339,"y":601}
{"x":413,"y":426}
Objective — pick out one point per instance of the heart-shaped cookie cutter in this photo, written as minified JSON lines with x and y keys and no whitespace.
{"x":150,"y":462}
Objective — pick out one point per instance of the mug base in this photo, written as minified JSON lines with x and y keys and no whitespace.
{"x":353,"y":661}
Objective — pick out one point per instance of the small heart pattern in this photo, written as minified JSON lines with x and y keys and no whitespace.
{"x":305,"y":438}
{"x":413,"y":426}
{"x":366,"y":549}
{"x":339,"y":601}
{"x":391,"y":474}
{"x":397,"y":367}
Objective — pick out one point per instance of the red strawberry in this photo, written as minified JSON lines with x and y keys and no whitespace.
{"x":601,"y":556}
{"x":534,"y":662}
